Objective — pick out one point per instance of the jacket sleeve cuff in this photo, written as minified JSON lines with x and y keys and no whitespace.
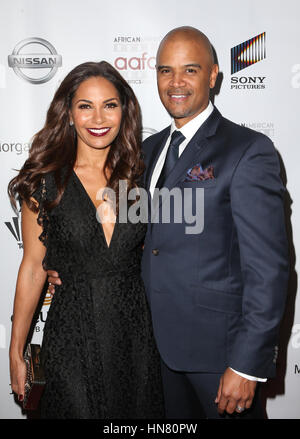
{"x":249,"y":377}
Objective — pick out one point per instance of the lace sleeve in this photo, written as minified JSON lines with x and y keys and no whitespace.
{"x":40,"y":195}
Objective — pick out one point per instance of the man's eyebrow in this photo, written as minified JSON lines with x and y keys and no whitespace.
{"x":186,"y":65}
{"x":163,"y":67}
{"x":193,"y":65}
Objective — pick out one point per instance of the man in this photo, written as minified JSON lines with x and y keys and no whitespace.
{"x":216,"y":297}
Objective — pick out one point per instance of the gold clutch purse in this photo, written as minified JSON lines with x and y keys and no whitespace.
{"x":35,"y":378}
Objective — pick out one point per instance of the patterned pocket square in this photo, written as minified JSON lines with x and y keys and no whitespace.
{"x":196,"y":173}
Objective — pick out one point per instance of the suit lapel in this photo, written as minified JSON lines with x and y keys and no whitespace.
{"x":190,"y":156}
{"x":193,"y":151}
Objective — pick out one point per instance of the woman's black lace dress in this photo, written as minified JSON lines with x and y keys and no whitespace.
{"x":98,"y":348}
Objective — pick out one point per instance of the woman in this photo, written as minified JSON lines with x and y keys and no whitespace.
{"x":98,"y":350}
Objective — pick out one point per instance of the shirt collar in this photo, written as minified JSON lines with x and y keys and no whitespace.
{"x":190,"y":128}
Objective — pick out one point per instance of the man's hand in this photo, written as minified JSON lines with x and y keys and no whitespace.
{"x":53,"y":279}
{"x":235,"y":393}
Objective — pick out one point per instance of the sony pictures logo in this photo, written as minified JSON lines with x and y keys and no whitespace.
{"x":32,"y":57}
{"x":245,"y":55}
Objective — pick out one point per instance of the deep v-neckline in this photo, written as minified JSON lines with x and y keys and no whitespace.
{"x":94,"y":208}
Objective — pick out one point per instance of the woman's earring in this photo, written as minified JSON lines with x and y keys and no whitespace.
{"x":71,"y":123}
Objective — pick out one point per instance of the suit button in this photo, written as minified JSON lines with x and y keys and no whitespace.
{"x":155,"y":251}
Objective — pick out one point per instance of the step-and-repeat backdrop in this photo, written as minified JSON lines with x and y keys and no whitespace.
{"x":257,"y":45}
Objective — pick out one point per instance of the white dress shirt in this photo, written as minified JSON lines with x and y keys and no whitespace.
{"x":188,"y":130}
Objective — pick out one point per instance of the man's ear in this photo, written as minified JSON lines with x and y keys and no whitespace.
{"x":213,"y":75}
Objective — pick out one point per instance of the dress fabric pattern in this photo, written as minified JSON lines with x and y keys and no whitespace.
{"x":98,"y":349}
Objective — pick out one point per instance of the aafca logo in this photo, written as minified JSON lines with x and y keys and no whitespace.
{"x":135,"y":57}
{"x":245,"y":55}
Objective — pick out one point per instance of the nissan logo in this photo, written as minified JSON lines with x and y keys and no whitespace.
{"x":21,"y":61}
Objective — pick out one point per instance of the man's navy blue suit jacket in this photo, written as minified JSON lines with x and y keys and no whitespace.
{"x":217,"y":297}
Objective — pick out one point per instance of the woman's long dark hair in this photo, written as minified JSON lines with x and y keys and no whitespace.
{"x":55,"y":146}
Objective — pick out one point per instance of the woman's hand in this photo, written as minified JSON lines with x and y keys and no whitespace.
{"x":18,"y":376}
{"x":30,"y":282}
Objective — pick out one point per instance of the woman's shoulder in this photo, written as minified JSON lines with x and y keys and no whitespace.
{"x":46,"y":187}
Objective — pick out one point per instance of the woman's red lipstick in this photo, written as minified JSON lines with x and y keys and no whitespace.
{"x":98,"y":132}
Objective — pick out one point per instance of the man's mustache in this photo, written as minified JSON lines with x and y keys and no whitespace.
{"x":178,"y":91}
